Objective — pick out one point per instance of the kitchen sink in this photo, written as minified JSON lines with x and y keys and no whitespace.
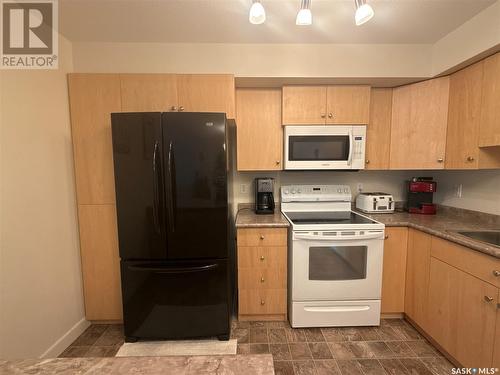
{"x":489,"y":236}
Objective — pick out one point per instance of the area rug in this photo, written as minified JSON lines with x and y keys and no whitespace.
{"x":177,"y":348}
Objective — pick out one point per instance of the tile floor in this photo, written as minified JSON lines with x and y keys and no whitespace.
{"x":393,"y":348}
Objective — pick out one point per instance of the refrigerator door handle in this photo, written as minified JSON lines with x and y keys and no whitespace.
{"x":172,"y":270}
{"x":156,"y":190}
{"x":170,"y":176}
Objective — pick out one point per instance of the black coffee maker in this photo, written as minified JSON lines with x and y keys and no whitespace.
{"x":264,"y":199}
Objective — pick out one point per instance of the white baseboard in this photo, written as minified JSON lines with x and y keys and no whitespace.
{"x":65,"y":340}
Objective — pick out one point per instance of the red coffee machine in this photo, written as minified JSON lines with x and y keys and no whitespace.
{"x":420,"y":194}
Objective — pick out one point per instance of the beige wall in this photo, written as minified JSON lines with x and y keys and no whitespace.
{"x":256,"y":60}
{"x":41,"y":301}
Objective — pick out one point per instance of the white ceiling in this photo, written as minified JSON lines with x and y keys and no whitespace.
{"x":226,"y":21}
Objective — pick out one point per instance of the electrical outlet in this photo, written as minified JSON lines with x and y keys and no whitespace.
{"x":458,"y":190}
{"x":360,"y":187}
{"x":243,"y":188}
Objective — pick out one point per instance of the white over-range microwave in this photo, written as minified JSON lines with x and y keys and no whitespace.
{"x":324,"y":147}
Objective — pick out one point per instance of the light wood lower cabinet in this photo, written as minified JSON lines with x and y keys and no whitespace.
{"x":259,"y":131}
{"x":496,"y":348}
{"x":100,"y":262}
{"x":463,"y":310}
{"x":262,"y":273}
{"x":394,"y":270}
{"x":417,"y":276}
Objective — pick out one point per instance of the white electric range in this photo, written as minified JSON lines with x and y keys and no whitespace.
{"x":334,"y":259}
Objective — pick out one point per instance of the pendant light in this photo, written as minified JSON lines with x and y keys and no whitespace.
{"x":257,"y":13}
{"x":304,"y":17}
{"x":364,"y":12}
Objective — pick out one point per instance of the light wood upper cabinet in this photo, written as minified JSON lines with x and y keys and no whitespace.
{"x":489,"y":134}
{"x":463,"y":311}
{"x":378,"y":133}
{"x":92,"y":98}
{"x":464,"y":111}
{"x":206,"y":93}
{"x":148,"y":92}
{"x":417,"y":276}
{"x":259,"y":131}
{"x":348,"y":105}
{"x":419,"y":122}
{"x":318,"y":105}
{"x":100,"y":262}
{"x":394,"y":270}
{"x":304,"y":105}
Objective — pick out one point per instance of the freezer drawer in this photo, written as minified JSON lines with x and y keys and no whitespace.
{"x":335,"y":313}
{"x":175,"y":300}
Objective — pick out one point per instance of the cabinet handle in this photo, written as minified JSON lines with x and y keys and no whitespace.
{"x":181,"y":108}
{"x":278,"y":162}
{"x":470,"y":158}
{"x":173,"y":108}
{"x":440,"y":160}
{"x":262,"y":302}
{"x":261,"y":236}
{"x":262,"y":280}
{"x":488,"y":298}
{"x":367,"y":161}
{"x":330,"y":115}
{"x":386,"y":236}
{"x":496,"y":273}
{"x":323,"y":115}
{"x":262,"y":258}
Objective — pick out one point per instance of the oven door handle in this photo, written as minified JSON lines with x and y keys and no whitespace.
{"x":338,"y":238}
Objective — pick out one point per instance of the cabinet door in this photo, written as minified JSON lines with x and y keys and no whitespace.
{"x":378,"y":133}
{"x":304,"y":105}
{"x":496,"y":347}
{"x":419,"y":121}
{"x":93,"y":97}
{"x":489,"y":133}
{"x":148,"y":92}
{"x":348,"y":105}
{"x":100,"y":262}
{"x":394,"y":270}
{"x":463,"y":314}
{"x":259,"y":131}
{"x":417,"y":276}
{"x":206,"y":93}
{"x":464,"y":110}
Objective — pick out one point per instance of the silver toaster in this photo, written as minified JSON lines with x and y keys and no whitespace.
{"x":375,"y":202}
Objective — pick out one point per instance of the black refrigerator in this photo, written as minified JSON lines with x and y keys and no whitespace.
{"x":175,"y":225}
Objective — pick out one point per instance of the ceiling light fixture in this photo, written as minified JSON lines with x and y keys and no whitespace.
{"x":304,"y":17}
{"x":364,"y":12}
{"x":257,"y":13}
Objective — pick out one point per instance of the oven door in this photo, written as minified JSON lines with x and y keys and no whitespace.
{"x":341,"y":265}
{"x":318,"y":147}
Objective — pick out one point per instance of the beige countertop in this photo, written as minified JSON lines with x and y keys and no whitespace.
{"x":443,"y":224}
{"x":232,"y":364}
{"x":247,"y":218}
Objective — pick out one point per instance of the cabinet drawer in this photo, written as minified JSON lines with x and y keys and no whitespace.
{"x":262,"y":237}
{"x":262,"y":278}
{"x":477,"y":264}
{"x":257,"y":256}
{"x":262,"y":301}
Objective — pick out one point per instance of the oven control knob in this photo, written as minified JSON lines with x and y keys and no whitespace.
{"x":339,"y":190}
{"x":293,"y":191}
{"x":299,"y":191}
{"x":346,"y":190}
{"x":285,"y":191}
